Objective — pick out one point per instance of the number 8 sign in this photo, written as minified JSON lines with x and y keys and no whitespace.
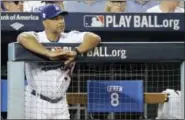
{"x":115,"y":96}
{"x":114,"y":99}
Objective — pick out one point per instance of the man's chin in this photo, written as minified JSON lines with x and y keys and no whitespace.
{"x":61,"y":30}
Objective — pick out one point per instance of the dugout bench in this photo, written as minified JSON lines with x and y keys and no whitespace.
{"x":149,"y":98}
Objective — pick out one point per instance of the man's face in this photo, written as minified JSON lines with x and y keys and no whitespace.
{"x":117,"y":6}
{"x":13,"y":6}
{"x":173,"y":3}
{"x":56,"y":25}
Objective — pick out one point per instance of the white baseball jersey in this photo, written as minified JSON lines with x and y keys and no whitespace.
{"x":50,"y":79}
{"x":173,"y":108}
{"x":33,"y":6}
{"x":36,"y":6}
{"x":156,"y":9}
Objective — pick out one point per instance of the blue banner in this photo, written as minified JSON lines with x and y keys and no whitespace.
{"x":99,"y":22}
{"x":115,"y":96}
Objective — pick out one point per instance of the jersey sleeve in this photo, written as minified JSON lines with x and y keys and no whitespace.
{"x":148,"y":10}
{"x":34,"y":34}
{"x":77,"y":36}
{"x":182,"y":10}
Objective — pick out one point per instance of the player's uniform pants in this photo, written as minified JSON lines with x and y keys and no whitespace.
{"x":40,"y":107}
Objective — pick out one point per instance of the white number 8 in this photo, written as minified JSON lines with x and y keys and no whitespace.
{"x":114,"y":99}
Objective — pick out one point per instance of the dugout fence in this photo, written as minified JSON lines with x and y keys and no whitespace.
{"x":158,"y":65}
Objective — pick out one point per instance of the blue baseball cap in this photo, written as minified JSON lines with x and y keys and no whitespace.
{"x":51,"y":11}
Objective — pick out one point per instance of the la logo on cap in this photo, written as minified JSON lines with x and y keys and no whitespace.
{"x":56,"y":7}
{"x":44,"y":15}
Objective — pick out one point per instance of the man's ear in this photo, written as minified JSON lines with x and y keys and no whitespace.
{"x":6,"y":5}
{"x":44,"y":23}
{"x":107,"y":7}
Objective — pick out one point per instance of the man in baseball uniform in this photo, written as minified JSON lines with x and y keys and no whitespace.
{"x":45,"y":93}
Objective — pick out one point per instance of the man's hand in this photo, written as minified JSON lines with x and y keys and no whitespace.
{"x":57,"y":54}
{"x":71,"y":55}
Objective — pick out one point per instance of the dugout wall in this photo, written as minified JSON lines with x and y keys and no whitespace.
{"x":158,"y":65}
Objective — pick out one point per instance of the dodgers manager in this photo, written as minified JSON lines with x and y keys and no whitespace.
{"x":45,"y":93}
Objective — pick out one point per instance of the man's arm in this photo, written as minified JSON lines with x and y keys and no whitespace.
{"x":31,"y":43}
{"x":90,"y":40}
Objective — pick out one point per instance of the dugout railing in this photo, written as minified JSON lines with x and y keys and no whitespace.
{"x":150,"y":61}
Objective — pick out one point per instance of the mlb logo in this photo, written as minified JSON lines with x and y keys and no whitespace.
{"x":94,"y":21}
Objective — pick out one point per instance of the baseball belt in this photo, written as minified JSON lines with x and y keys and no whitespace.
{"x":34,"y":92}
